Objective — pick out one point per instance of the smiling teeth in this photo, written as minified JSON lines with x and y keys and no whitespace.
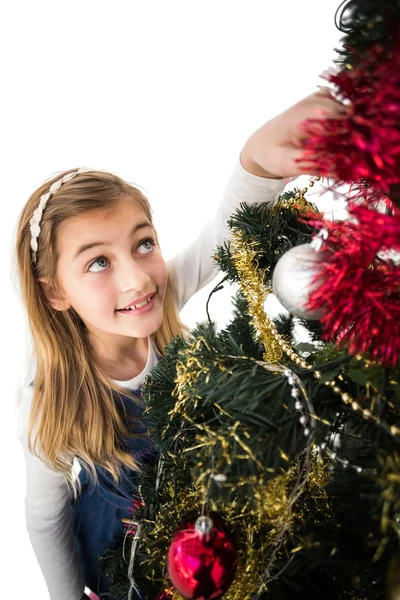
{"x":138,"y":305}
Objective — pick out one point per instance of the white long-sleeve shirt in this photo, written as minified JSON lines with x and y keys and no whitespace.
{"x":48,"y":499}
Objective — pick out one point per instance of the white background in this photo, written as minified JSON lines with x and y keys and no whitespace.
{"x":164,"y":94}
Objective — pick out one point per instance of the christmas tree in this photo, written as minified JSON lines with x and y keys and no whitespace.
{"x":277,"y":474}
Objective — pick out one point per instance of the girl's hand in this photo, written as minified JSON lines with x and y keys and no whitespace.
{"x":272,"y":150}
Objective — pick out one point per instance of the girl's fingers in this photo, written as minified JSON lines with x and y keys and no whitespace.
{"x":335,"y":105}
{"x":330,"y":103}
{"x":324,"y":90}
{"x":310,"y":168}
{"x":333,"y":108}
{"x":293,"y":165}
{"x":322,"y":113}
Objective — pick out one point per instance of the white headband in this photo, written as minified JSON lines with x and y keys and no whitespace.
{"x":37,"y":214}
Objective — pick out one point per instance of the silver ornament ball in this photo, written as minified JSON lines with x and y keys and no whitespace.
{"x":292,"y":277}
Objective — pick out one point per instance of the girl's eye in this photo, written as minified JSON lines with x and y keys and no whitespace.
{"x":149,"y":241}
{"x":99,"y":261}
{"x":102,"y":262}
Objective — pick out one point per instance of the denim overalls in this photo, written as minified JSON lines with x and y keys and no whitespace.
{"x":98,"y":512}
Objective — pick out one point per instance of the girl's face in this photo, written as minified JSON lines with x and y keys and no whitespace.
{"x":109,"y":259}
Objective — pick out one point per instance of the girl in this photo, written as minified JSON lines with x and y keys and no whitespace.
{"x":102,"y":305}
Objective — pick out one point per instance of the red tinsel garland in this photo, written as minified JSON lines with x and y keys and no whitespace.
{"x":359,"y":293}
{"x":366,"y":145}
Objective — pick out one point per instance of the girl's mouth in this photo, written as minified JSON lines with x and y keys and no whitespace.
{"x":140,"y":310}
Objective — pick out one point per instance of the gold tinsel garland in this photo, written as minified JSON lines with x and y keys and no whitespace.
{"x":270,"y":516}
{"x":256,"y":529}
{"x":274,"y":504}
{"x":252,"y":285}
{"x":275,"y":508}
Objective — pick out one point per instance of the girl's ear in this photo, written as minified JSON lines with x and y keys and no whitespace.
{"x":57,"y":301}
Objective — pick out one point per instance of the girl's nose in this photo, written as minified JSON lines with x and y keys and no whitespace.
{"x":131,"y":276}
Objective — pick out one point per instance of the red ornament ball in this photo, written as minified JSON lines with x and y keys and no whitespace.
{"x":202,"y":559}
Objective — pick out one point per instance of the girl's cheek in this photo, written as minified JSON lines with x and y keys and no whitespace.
{"x":97,"y":280}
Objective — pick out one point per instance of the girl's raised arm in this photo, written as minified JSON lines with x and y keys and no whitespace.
{"x":270,"y":154}
{"x":193,"y":268}
{"x":49,"y":518}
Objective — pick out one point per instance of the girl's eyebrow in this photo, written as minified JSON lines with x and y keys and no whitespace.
{"x":91,"y":245}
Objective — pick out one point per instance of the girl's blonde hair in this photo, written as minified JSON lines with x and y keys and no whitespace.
{"x":73,"y":412}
